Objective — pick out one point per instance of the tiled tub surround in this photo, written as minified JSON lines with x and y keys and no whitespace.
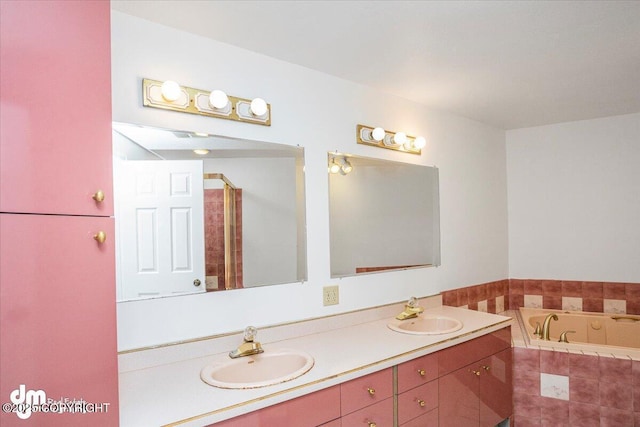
{"x":559,"y":386}
{"x":162,"y":386}
{"x":600,"y":297}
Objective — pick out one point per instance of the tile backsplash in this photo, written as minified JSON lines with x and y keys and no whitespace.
{"x":494,"y":297}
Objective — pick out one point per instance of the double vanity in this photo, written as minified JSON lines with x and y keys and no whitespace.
{"x":361,"y":368}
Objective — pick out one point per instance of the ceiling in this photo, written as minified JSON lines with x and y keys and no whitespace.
{"x":510,"y":64}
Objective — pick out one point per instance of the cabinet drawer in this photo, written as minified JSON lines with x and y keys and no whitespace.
{"x":306,"y":411}
{"x":417,"y":372}
{"x":365,"y":391}
{"x":417,"y":402}
{"x":380,"y":414}
{"x":430,"y":419}
{"x":456,"y":357}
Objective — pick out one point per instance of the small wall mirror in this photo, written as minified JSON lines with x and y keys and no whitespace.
{"x":200,"y":213}
{"x":383,"y":215}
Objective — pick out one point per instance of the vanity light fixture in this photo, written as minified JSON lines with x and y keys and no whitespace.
{"x":398,"y":141}
{"x":170,"y":95}
{"x":340,"y":164}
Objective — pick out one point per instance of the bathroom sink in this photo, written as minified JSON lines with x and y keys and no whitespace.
{"x":426,"y":325}
{"x":260,"y":370}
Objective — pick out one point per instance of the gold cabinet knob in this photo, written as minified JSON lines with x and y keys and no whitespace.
{"x":371,"y":424}
{"x":422,"y":403}
{"x":476,"y":372}
{"x":100,"y":237}
{"x":422,"y":372}
{"x":486,"y":368}
{"x":371,"y":391}
{"x":98,"y":196}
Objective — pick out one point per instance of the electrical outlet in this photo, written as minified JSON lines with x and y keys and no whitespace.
{"x":330,"y":295}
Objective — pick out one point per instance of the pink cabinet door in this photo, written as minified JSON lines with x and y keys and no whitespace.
{"x":367,"y":390}
{"x":55,"y":107}
{"x":496,"y":388}
{"x":459,"y":404}
{"x":58,"y":315}
{"x":307,"y":411}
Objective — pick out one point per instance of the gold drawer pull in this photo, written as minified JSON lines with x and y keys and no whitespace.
{"x":371,"y":391}
{"x":422,"y":372}
{"x":100,"y":237}
{"x":98,"y":196}
{"x":422,"y":403}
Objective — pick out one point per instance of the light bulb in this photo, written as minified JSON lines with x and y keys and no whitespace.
{"x":334,"y":167}
{"x":258,"y":107}
{"x":170,"y":90}
{"x":408,"y":145}
{"x":346,"y":167}
{"x":218,"y":99}
{"x":419,"y":143}
{"x":201,"y":151}
{"x":377,"y":134}
{"x":400,"y":138}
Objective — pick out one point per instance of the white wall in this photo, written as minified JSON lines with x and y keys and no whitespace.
{"x":574,"y":200}
{"x":319,"y":112}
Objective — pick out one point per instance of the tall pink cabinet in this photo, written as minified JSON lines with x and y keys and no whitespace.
{"x":57,"y":285}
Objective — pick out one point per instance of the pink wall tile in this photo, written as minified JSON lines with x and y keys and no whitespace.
{"x":571,"y":289}
{"x":526,"y":406}
{"x":584,"y":415}
{"x":554,"y":411}
{"x":592,"y":290}
{"x":516,"y":287}
{"x":554,"y":362}
{"x":526,"y":382}
{"x":610,"y":417}
{"x":522,"y":421}
{"x":552,"y":302}
{"x":583,"y":366}
{"x":593,"y":305}
{"x":551,"y":288}
{"x":585,"y":390}
{"x":614,"y":290}
{"x":533,"y":287}
{"x":613,"y":395}
{"x":616,"y":370}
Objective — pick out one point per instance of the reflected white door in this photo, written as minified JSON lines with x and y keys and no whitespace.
{"x":160,"y":226}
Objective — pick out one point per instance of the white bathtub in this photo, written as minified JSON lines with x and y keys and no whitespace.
{"x":617,"y":334}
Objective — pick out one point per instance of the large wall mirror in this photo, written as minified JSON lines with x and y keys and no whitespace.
{"x":383,"y":215}
{"x":200,"y":213}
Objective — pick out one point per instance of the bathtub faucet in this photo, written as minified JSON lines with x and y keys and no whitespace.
{"x":546,"y":324}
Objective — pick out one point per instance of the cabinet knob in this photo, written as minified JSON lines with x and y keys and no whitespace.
{"x":476,"y":372}
{"x":422,"y":403}
{"x":422,"y":372}
{"x":486,"y":368}
{"x":100,"y":237}
{"x":197,"y":282}
{"x":371,"y":424}
{"x":371,"y":391}
{"x":98,"y":196}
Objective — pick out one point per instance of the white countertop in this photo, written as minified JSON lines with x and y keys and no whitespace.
{"x":173,"y":393}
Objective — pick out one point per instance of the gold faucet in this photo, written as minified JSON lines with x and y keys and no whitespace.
{"x":248,"y":347}
{"x":411,"y":309}
{"x":546,"y":324}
